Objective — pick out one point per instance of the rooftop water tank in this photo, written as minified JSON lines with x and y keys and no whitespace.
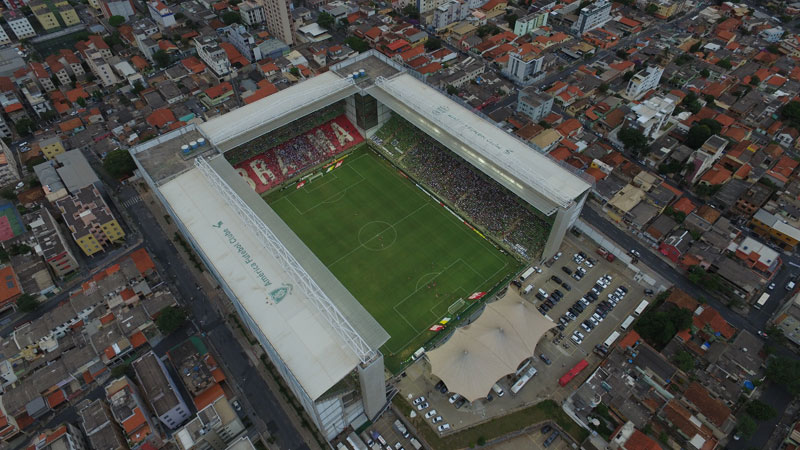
{"x":185,"y":148}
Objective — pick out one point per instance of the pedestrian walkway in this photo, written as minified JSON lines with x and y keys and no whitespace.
{"x":132,"y":201}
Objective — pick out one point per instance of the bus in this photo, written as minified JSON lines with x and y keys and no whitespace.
{"x":523,"y":380}
{"x":627,"y":323}
{"x":577,"y":369}
{"x":613,"y":337}
{"x":761,"y":301}
{"x":527,"y":273}
{"x":640,"y":309}
{"x":356,"y":442}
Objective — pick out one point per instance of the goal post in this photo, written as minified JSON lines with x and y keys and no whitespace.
{"x":456,"y":306}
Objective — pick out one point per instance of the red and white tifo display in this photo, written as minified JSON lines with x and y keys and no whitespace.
{"x":282,"y":162}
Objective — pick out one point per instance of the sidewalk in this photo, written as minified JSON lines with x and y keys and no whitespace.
{"x":223,"y":306}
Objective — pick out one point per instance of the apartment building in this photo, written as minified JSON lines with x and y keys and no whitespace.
{"x":161,"y":14}
{"x":279,"y":20}
{"x":4,"y":39}
{"x":160,"y":391}
{"x":213,"y":55}
{"x":643,"y":81}
{"x":50,"y":242}
{"x":101,"y":432}
{"x":651,"y":115}
{"x":534,"y":104}
{"x":592,"y":16}
{"x":9,"y":172}
{"x":252,"y":13}
{"x":531,"y":22}
{"x":19,"y":24}
{"x":65,"y":437}
{"x":214,"y":427}
{"x":124,"y":8}
{"x":775,"y":228}
{"x":90,"y":220}
{"x":525,"y":65}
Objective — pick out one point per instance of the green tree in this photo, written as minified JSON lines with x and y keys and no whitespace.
{"x":325,"y":20}
{"x":180,"y":16}
{"x":411,"y":11}
{"x":24,"y":126}
{"x":116,"y":21}
{"x":485,"y":30}
{"x":544,"y":125}
{"x":603,"y":88}
{"x":511,"y":19}
{"x":725,"y":63}
{"x":697,"y":135}
{"x":684,"y":360}
{"x":452,"y":90}
{"x":4,"y":257}
{"x":357,"y":44}
{"x":230,"y":17}
{"x":27,"y":303}
{"x":161,"y":58}
{"x":651,"y":9}
{"x":791,"y":112}
{"x":19,"y":249}
{"x":760,"y":410}
{"x":696,"y":47}
{"x":170,"y":319}
{"x":774,"y":48}
{"x":119,"y":164}
{"x":754,"y":80}
{"x":705,"y":73}
{"x":746,"y":426}
{"x":622,"y":54}
{"x":786,"y":372}
{"x":433,"y":44}
{"x":294,"y":71}
{"x":659,"y":326}
{"x":691,"y":103}
{"x":137,"y":87}
{"x":81,"y":101}
{"x":633,"y":139}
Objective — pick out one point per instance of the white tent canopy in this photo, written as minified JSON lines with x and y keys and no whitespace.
{"x":479,"y":354}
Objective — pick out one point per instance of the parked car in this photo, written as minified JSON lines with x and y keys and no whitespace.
{"x":444,"y":427}
{"x":418,"y":400}
{"x":430,"y":414}
{"x":544,"y":358}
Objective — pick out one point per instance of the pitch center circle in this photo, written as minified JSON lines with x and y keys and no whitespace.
{"x":377,"y":235}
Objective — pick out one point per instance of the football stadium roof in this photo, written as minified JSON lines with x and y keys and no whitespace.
{"x":531,"y":175}
{"x":479,"y":354}
{"x":316,"y":354}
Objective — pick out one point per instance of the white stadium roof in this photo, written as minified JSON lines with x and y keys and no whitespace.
{"x":531,"y":175}
{"x":307,"y":343}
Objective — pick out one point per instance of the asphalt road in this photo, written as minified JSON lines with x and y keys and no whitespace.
{"x":171,"y":266}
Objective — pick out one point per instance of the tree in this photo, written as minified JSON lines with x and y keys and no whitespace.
{"x":19,"y":249}
{"x":684,"y":360}
{"x":633,"y":139}
{"x":791,"y":112}
{"x":24,"y":126}
{"x":488,"y":29}
{"x":544,"y":125}
{"x":411,"y":11}
{"x":695,"y":47}
{"x":651,"y":9}
{"x":786,"y":372}
{"x":433,"y":44}
{"x":137,"y":87}
{"x":116,"y":21}
{"x":325,"y":20}
{"x":452,"y":90}
{"x":659,"y":327}
{"x":81,"y":102}
{"x":746,"y":426}
{"x":161,"y":58}
{"x":511,"y":19}
{"x":26,"y":303}
{"x":119,"y":164}
{"x":170,"y":319}
{"x":180,"y":16}
{"x":622,"y":54}
{"x":774,"y":48}
{"x":294,"y":71}
{"x":705,"y":73}
{"x":754,"y":80}
{"x":230,"y":17}
{"x":603,"y":88}
{"x":357,"y":44}
{"x":760,"y":410}
{"x":697,"y":135}
{"x":725,"y":63}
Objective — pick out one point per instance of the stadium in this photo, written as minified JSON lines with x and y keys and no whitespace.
{"x":355,"y":218}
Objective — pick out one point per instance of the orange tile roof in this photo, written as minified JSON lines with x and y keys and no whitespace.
{"x":138,"y":339}
{"x":714,"y":410}
{"x":219,"y":90}
{"x":13,"y":107}
{"x":262,"y":92}
{"x":139,"y":63}
{"x":684,"y":205}
{"x":596,"y":173}
{"x":713,"y":319}
{"x":430,"y":68}
{"x":716,"y":175}
{"x":218,"y":375}
{"x":193,"y":64}
{"x":161,"y":117}
{"x":631,"y":338}
{"x":140,"y":435}
{"x":109,"y":352}
{"x":71,"y":124}
{"x":569,"y":127}
{"x":560,"y":153}
{"x":144,"y":264}
{"x":208,"y":396}
{"x":681,"y":299}
{"x":56,"y":398}
{"x":9,"y":285}
{"x":641,"y":441}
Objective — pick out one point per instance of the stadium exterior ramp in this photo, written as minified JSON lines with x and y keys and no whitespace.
{"x":314,"y":331}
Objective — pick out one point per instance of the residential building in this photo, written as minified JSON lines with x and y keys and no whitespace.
{"x":627,"y":437}
{"x":216,"y":426}
{"x":4,"y":39}
{"x":65,"y":437}
{"x":19,"y":24}
{"x":535,"y":105}
{"x":774,"y":228}
{"x":124,"y":8}
{"x":643,"y":81}
{"x":788,"y":319}
{"x":65,"y":174}
{"x":101,"y":68}
{"x":160,"y":391}
{"x":279,"y":20}
{"x":90,"y":220}
{"x":531,"y":22}
{"x":45,"y":14}
{"x":50,"y":243}
{"x":9,"y":172}
{"x":758,"y":256}
{"x":252,"y":13}
{"x":595,"y":15}
{"x":525,"y":66}
{"x":67,"y":13}
{"x":96,"y":423}
{"x":652,"y":115}
{"x":58,"y":69}
{"x":130,"y":412}
{"x":161,"y":14}
{"x":213,"y":55}
{"x":10,"y":289}
{"x":449,"y":12}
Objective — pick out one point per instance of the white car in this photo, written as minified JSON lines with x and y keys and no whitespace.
{"x":419,"y":400}
{"x":537,"y":269}
{"x":444,"y":427}
{"x":430,"y":414}
{"x":454,"y":398}
{"x":579,"y":334}
{"x":436,"y":420}
{"x":557,"y":255}
{"x":576,"y":339}
{"x":422,"y":406}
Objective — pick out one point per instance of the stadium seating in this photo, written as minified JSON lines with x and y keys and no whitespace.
{"x":280,"y":163}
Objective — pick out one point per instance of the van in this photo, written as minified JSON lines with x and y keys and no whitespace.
{"x":527,"y":273}
{"x":543,"y":292}
{"x":528,"y":289}
{"x":627,"y":323}
{"x":790,"y":286}
{"x":401,"y":428}
{"x":498,"y":390}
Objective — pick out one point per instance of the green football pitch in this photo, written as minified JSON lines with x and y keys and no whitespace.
{"x":402,"y":255}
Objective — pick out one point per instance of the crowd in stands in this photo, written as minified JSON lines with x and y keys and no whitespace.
{"x":482,"y":200}
{"x":280,"y":163}
{"x":283,"y":134}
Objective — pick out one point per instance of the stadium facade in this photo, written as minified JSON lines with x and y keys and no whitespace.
{"x":318,"y":336}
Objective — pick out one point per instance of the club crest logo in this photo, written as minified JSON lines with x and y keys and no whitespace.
{"x":280,"y":293}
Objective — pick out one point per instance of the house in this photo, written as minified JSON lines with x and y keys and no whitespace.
{"x":216,"y":95}
{"x":772,"y":227}
{"x":676,"y":244}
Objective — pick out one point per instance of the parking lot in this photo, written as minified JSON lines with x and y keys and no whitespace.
{"x":562,"y":355}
